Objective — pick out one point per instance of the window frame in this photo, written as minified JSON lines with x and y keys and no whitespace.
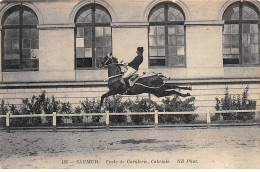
{"x":93,"y":25}
{"x":21,"y":9}
{"x":240,"y":22}
{"x":167,"y":23}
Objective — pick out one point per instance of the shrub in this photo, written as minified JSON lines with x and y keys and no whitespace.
{"x":77,"y":119}
{"x":235,"y":103}
{"x":92,"y":107}
{"x":143,"y":105}
{"x":3,"y":111}
{"x":177,"y":105}
{"x":114,"y":104}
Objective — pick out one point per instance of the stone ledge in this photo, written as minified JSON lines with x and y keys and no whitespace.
{"x":101,"y":83}
{"x":55,"y":26}
{"x":205,"y":22}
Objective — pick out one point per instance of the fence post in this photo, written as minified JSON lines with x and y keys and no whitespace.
{"x":54,"y":125}
{"x":107,"y":120}
{"x":7,"y":122}
{"x":156,"y":119}
{"x":208,"y":119}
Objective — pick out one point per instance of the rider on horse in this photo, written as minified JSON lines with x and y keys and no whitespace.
{"x":133,"y":67}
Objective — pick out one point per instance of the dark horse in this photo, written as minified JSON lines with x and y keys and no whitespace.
{"x":153,"y":84}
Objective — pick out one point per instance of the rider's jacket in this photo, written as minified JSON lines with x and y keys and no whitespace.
{"x":135,"y":63}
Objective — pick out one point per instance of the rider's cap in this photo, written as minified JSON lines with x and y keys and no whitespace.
{"x":140,"y":49}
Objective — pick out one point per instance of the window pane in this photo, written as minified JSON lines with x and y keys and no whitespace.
{"x":161,"y":40}
{"x":107,"y":31}
{"x":80,"y":52}
{"x":180,"y":30}
{"x":12,"y":64}
{"x":172,"y":50}
{"x":84,"y":62}
{"x":226,"y":39}
{"x":99,"y":31}
{"x":7,"y":44}
{"x":180,"y":40}
{"x":226,"y":50}
{"x":177,"y":61}
{"x":26,"y":33}
{"x":254,"y":48}
{"x":88,"y":52}
{"x":157,"y":14}
{"x":160,"y":30}
{"x":253,"y":28}
{"x":108,"y":42}
{"x":161,"y":52}
{"x":100,"y":42}
{"x":232,"y":12}
{"x":235,"y":39}
{"x":234,"y":28}
{"x":246,"y":28}
{"x":79,"y":42}
{"x":153,"y":51}
{"x":254,"y":38}
{"x":34,"y":33}
{"x":87,"y":42}
{"x":26,"y":43}
{"x":29,"y":18}
{"x":101,"y":15}
{"x":230,"y":61}
{"x":172,"y":40}
{"x":26,"y":54}
{"x":84,"y":16}
{"x":35,"y":44}
{"x":12,"y":19}
{"x":80,"y":32}
{"x":180,"y":50}
{"x":157,"y":62}
{"x":227,"y":29}
{"x":171,"y":30}
{"x":153,"y":30}
{"x":152,"y":41}
{"x":249,"y":13}
{"x":15,"y":44}
{"x":175,"y":14}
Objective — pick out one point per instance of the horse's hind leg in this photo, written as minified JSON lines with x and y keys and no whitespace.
{"x":177,"y":87}
{"x":168,"y":93}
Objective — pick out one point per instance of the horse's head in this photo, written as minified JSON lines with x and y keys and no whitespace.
{"x":108,"y":59}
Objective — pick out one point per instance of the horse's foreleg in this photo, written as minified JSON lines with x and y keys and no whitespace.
{"x":109,"y":93}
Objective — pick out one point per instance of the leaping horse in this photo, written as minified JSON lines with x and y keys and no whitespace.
{"x":153,"y":84}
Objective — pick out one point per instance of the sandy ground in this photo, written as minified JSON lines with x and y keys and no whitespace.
{"x":226,"y":147}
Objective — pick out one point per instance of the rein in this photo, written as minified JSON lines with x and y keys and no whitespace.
{"x":114,"y":76}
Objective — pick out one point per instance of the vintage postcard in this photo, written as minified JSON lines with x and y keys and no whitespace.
{"x":140,"y":84}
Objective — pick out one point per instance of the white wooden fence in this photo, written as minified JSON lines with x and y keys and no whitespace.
{"x":107,"y":114}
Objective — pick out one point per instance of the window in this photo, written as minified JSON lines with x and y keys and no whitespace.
{"x":241,"y":35}
{"x":20,"y":40}
{"x":167,"y":36}
{"x":92,"y":36}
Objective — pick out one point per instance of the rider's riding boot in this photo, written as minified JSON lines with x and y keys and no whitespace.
{"x":126,"y":83}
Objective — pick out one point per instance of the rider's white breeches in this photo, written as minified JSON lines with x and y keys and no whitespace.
{"x":130,"y":71}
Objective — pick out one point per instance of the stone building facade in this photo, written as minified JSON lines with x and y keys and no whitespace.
{"x":56,"y":46}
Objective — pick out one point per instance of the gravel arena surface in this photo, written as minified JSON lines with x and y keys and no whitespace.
{"x":192,"y":148}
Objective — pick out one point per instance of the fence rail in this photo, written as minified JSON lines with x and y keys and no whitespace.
{"x":107,"y":114}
